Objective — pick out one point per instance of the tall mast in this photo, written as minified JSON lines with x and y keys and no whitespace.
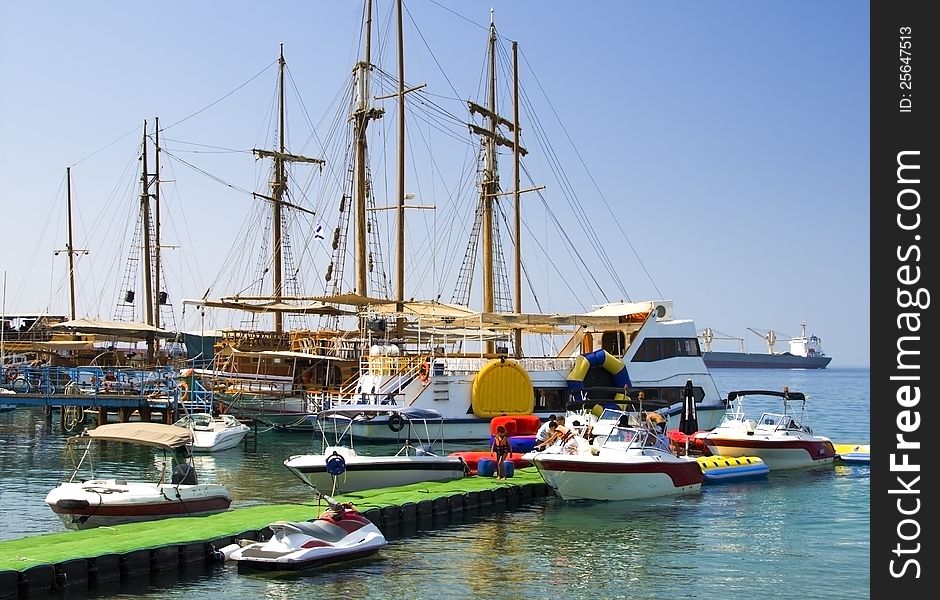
{"x":278,"y":188}
{"x":400,"y":292}
{"x":277,"y":192}
{"x":515,"y":194}
{"x":490,"y":187}
{"x":145,"y":233}
{"x":361,"y":120}
{"x":156,"y":221}
{"x":70,"y":248}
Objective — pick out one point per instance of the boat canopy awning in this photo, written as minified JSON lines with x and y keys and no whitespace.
{"x":127,"y":330}
{"x":426,"y":309}
{"x":300,"y":307}
{"x":786,"y":395}
{"x":430,"y":314}
{"x":453,"y":333}
{"x":357,"y":300}
{"x":157,"y":435}
{"x":48,"y":346}
{"x":410,"y":413}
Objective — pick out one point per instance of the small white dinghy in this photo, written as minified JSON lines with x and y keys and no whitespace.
{"x":211,"y":433}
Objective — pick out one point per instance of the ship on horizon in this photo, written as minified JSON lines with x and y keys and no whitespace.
{"x":805,"y":352}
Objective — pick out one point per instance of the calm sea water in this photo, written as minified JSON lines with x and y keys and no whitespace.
{"x":797,"y":534}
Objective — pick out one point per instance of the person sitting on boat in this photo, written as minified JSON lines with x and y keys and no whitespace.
{"x":655,"y":421}
{"x":542,"y":434}
{"x":541,"y":445}
{"x":571,"y":444}
{"x":560,"y":434}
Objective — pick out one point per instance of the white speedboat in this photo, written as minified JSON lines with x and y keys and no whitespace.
{"x":778,"y":439}
{"x":4,"y":406}
{"x":627,"y":463}
{"x":85,"y":503}
{"x":618,"y":347}
{"x":211,"y":433}
{"x":339,"y":534}
{"x":340,"y":469}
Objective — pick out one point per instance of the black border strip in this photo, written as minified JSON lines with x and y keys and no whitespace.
{"x":903,"y":329}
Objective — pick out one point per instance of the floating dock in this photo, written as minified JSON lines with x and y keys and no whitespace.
{"x":94,"y":560}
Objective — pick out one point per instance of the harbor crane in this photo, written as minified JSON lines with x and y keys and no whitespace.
{"x":708,"y":336}
{"x":769,"y":336}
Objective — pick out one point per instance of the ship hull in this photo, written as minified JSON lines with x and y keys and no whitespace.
{"x":747,"y":360}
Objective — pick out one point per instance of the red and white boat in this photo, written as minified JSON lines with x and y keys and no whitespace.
{"x":86,"y":503}
{"x":778,"y":439}
{"x":630,"y":463}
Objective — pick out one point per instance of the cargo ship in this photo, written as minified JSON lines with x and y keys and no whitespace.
{"x":805,"y":353}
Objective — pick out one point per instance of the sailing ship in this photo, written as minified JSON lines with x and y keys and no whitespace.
{"x":468,"y":364}
{"x":472,"y":365}
{"x":72,"y":355}
{"x":274,"y":375}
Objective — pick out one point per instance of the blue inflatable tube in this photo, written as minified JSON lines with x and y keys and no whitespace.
{"x":598,"y":358}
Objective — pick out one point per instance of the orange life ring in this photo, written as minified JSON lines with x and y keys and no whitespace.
{"x":424,"y":372}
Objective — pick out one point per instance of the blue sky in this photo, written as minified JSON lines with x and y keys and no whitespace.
{"x":729,"y":139}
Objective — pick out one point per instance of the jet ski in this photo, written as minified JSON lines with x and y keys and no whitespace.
{"x":341,"y":533}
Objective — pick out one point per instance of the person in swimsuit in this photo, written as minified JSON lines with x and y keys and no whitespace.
{"x":502,"y":448}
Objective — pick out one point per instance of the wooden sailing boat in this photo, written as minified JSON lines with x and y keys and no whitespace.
{"x":140,"y":314}
{"x":472,"y":365}
{"x":278,"y":375}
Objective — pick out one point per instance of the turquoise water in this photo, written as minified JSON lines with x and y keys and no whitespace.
{"x":794,"y":535}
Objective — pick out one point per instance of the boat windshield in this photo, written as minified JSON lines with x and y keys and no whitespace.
{"x":617,"y":416}
{"x":772,"y":422}
{"x":201,"y":421}
{"x":627,"y":437}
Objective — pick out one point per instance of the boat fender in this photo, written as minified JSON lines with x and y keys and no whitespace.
{"x":395,"y":422}
{"x":336,"y":464}
{"x":224,"y":553}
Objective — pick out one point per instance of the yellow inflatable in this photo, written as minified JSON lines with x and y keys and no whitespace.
{"x":502,"y":387}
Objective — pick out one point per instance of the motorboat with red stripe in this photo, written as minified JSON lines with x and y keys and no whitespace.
{"x":629,"y":462}
{"x":86,"y":503}
{"x":778,"y":438}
